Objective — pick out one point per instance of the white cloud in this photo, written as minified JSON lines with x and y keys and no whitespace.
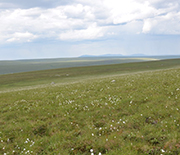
{"x":167,"y":24}
{"x":147,"y":26}
{"x":22,"y":37}
{"x":129,"y":10}
{"x":46,"y":22}
{"x":75,"y":21}
{"x":92,"y":32}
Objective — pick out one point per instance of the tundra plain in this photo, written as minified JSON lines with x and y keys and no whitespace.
{"x":17,"y":66}
{"x":131,"y":108}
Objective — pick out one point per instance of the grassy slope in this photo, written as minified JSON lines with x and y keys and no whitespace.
{"x":127,"y":114}
{"x":8,"y":67}
{"x":63,"y":75}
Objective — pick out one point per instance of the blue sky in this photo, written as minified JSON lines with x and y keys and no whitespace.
{"x":61,"y":28}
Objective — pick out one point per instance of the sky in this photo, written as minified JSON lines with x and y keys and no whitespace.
{"x":71,"y":28}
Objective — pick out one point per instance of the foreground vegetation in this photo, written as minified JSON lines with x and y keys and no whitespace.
{"x":135,"y":113}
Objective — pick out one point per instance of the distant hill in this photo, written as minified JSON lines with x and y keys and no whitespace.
{"x":105,"y":55}
{"x":114,"y":55}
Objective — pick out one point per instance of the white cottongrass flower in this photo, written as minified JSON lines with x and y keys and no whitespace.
{"x":91,"y":150}
{"x":162,"y":150}
{"x":113,"y":81}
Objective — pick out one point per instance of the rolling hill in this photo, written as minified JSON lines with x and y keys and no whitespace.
{"x":130,"y":108}
{"x":16,"y":66}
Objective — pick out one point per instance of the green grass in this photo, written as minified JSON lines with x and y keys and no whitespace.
{"x":104,"y":110}
{"x":65,"y":75}
{"x":8,"y":67}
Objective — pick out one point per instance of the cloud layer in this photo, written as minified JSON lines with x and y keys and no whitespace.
{"x":75,"y":20}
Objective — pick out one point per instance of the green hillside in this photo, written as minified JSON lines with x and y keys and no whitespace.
{"x":119,"y":109}
{"x":65,"y":75}
{"x":17,"y":66}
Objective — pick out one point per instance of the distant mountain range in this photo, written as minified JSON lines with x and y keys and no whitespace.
{"x":112,"y":55}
